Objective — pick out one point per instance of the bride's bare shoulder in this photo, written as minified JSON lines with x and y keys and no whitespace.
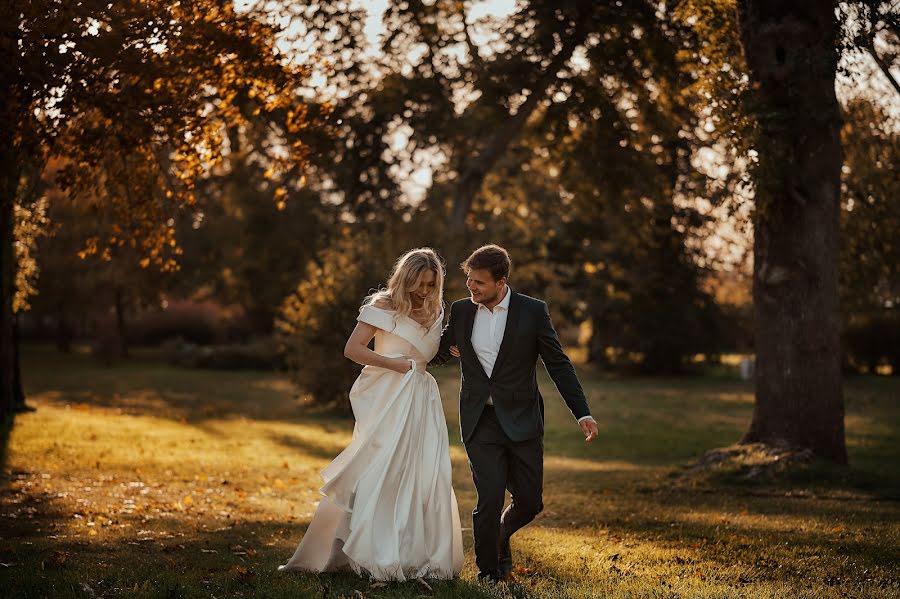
{"x":383,"y":303}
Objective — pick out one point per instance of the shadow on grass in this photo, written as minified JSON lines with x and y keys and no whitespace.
{"x":325,"y":451}
{"x":815,"y":478}
{"x":145,"y":385}
{"x":230,"y":560}
{"x":771,"y":519}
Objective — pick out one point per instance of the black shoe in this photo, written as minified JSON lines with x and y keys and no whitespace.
{"x":504,"y":555}
{"x":490,"y":577}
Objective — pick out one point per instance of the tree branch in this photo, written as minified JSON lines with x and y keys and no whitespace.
{"x":470,"y":44}
{"x":885,"y":68}
{"x":477,"y":168}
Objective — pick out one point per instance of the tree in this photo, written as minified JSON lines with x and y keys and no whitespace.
{"x":100,"y":289}
{"x":518,"y":121}
{"x":870,"y":254}
{"x":791,"y":52}
{"x":872,"y":28}
{"x":251,"y":245}
{"x":133,"y":96}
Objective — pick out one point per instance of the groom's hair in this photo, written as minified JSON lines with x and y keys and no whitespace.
{"x":491,"y":258}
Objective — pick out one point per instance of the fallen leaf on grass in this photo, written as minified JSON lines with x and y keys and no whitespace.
{"x":244,"y":574}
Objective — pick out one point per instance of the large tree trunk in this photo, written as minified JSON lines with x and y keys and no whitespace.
{"x":790,"y":48}
{"x":7,"y":269}
{"x":9,"y":181}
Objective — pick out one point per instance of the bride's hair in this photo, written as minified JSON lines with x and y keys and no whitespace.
{"x":406,"y":277}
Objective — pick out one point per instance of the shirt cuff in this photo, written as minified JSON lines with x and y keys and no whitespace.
{"x":586,"y":418}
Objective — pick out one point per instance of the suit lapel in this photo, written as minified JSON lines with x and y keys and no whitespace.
{"x":469,"y":323}
{"x":509,"y":333}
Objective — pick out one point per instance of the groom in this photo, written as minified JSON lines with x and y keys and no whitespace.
{"x":499,"y":335}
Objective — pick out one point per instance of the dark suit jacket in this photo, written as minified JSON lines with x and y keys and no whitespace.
{"x":512,"y":385}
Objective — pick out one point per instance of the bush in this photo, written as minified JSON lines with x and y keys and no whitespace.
{"x":315,"y":320}
{"x":262,"y":354}
{"x":872,"y":340}
{"x":201,"y":323}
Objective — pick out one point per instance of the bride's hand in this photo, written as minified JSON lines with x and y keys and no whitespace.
{"x":401,"y":365}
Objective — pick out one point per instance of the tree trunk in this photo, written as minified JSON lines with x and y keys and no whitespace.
{"x":791,"y":50}
{"x":9,"y":181}
{"x":18,"y":389}
{"x":475,"y":170}
{"x":7,"y":269}
{"x":120,"y":323}
{"x":63,"y":330}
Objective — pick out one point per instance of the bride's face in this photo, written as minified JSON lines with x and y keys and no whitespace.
{"x":425,"y":288}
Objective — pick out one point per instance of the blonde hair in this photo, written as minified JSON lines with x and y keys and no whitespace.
{"x":406,"y":277}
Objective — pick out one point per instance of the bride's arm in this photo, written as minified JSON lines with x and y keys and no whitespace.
{"x":357,"y":349}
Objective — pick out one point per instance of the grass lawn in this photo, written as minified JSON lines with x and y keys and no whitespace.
{"x":143,"y":480}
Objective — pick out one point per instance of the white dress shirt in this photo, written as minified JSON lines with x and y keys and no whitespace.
{"x":487,"y":332}
{"x":487,"y":335}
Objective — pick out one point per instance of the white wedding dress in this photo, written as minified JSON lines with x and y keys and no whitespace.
{"x":388,"y":509}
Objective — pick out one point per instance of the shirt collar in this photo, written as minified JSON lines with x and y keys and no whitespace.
{"x":504,"y":303}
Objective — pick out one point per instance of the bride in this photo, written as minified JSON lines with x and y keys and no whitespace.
{"x":388,"y":509}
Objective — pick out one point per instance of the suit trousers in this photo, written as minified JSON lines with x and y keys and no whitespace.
{"x":499,"y":464}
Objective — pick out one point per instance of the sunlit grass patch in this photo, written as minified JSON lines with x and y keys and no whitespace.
{"x":143,"y":480}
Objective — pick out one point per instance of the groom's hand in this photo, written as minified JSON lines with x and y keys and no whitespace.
{"x":589,"y":428}
{"x":454,"y":351}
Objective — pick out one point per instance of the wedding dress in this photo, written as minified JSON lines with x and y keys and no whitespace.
{"x":388,"y":509}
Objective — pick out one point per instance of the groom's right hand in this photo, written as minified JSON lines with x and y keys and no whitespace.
{"x":454,"y":351}
{"x":590,"y":429}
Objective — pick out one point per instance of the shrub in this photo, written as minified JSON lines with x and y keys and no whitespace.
{"x":203,"y":323}
{"x":262,"y":354}
{"x":873,"y":339}
{"x":315,"y":320}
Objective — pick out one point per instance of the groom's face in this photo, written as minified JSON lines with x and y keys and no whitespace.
{"x":484,"y":289}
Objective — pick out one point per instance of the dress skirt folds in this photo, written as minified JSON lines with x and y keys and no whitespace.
{"x":388,"y":509}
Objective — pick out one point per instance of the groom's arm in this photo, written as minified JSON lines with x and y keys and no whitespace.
{"x":443,"y":353}
{"x":560,"y":367}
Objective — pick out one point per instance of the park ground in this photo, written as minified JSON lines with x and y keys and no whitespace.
{"x":144,"y":480}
